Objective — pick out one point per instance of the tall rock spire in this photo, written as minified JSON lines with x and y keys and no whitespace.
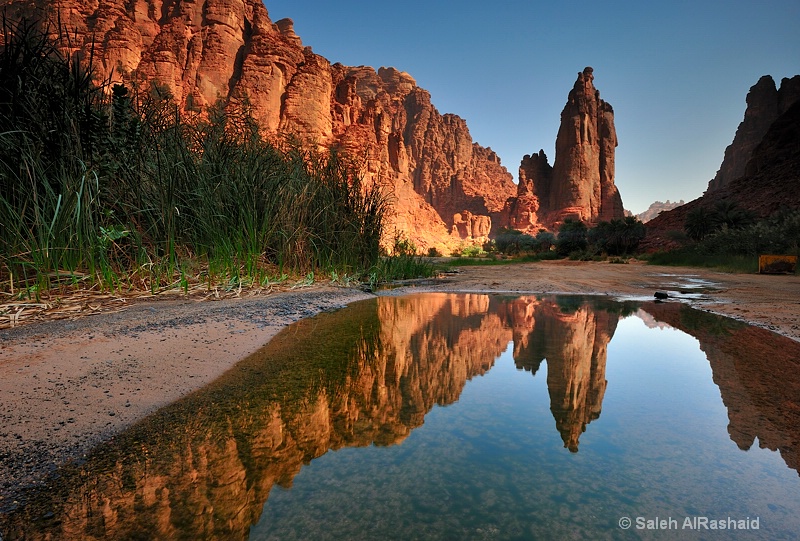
{"x":580,"y":185}
{"x":583,"y":173}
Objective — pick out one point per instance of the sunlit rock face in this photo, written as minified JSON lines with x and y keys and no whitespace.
{"x":429,"y":162}
{"x":533,"y":188}
{"x":583,"y":173}
{"x":471,"y":227}
{"x":580,"y":185}
{"x":765,"y":103}
{"x":230,"y":49}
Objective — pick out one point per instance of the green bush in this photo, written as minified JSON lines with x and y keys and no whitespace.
{"x":512,"y":241}
{"x":572,"y":237}
{"x":402,"y":264}
{"x":705,"y":220}
{"x":737,"y":249}
{"x":544,"y":241}
{"x":472,"y":250}
{"x":617,"y":237}
{"x":779,"y":234}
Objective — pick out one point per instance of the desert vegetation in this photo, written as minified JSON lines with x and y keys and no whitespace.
{"x":727,"y":237}
{"x":112,"y":188}
{"x":574,"y":240}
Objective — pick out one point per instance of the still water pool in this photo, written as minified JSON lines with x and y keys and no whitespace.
{"x":462,"y":416}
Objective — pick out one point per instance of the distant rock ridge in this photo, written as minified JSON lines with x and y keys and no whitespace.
{"x":657,"y":208}
{"x":580,"y":184}
{"x":765,"y":103}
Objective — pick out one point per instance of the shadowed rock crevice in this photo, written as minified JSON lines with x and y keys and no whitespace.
{"x":241,"y":55}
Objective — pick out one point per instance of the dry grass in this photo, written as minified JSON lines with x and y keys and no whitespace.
{"x":73,"y":302}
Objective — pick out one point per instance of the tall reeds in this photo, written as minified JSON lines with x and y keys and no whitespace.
{"x":118,"y":187}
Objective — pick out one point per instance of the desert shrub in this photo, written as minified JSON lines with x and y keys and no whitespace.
{"x":508,"y":241}
{"x":700,"y":222}
{"x":512,"y":241}
{"x":544,"y":240}
{"x":472,"y":250}
{"x":705,"y":220}
{"x":779,"y":234}
{"x":572,"y":237}
{"x":736,"y":249}
{"x":617,"y":237}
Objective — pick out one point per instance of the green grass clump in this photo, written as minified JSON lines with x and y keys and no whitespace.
{"x":689,"y":257}
{"x":402,"y":264}
{"x":114,"y":187}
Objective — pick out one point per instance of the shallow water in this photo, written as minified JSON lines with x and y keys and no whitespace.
{"x":444,"y":416}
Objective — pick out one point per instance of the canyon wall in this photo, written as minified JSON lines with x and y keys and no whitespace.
{"x":444,"y":187}
{"x":769,"y":183}
{"x":580,"y":184}
{"x":765,"y":103}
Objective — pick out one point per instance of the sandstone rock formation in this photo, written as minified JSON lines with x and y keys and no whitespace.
{"x":657,"y":208}
{"x":580,"y":185}
{"x":229,"y":49}
{"x":765,"y":103}
{"x":770,"y":182}
{"x":469,"y":226}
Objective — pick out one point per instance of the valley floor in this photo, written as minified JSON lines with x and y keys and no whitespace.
{"x":66,"y":385}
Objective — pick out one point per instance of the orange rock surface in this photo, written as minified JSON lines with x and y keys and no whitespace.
{"x":228,"y":49}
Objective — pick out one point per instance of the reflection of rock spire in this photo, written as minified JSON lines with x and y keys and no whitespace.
{"x":204,"y":466}
{"x":575,"y":346}
{"x":576,"y":372}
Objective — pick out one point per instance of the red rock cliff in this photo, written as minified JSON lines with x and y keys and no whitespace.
{"x":221,"y":49}
{"x":580,"y":185}
{"x":765,"y":103}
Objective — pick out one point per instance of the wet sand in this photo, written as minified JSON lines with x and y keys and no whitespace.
{"x":67,"y":385}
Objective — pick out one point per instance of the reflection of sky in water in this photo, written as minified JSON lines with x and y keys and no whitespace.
{"x":492,"y":465}
{"x":609,"y":418}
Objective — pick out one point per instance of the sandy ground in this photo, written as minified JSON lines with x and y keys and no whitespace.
{"x":66,"y":385}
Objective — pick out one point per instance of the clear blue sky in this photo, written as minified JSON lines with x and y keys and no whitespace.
{"x":676,"y":73}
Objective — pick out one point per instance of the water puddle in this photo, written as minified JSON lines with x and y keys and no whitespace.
{"x":686,"y":286}
{"x":461,"y":416}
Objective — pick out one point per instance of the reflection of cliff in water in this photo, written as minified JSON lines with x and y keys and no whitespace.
{"x":203,"y":467}
{"x":758,"y":374}
{"x":573,"y":338}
